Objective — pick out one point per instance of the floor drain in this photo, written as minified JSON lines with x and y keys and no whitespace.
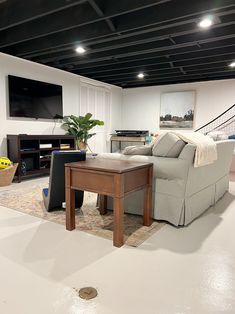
{"x":87,"y":293}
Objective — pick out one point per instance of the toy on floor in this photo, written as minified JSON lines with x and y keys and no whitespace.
{"x":5,"y":163}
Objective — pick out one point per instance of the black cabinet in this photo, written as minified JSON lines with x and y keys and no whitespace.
{"x":33,"y":152}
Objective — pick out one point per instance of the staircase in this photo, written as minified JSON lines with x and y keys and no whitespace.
{"x":225,"y":122}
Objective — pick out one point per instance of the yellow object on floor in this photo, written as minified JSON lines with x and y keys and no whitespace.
{"x":5,"y":162}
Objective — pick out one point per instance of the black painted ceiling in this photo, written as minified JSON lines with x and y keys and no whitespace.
{"x":123,"y":37}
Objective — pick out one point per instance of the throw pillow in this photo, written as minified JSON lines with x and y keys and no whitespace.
{"x":138,"y":150}
{"x":168,"y":145}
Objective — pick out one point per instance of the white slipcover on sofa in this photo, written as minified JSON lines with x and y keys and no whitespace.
{"x":181,"y":192}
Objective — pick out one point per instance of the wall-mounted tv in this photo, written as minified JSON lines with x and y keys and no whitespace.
{"x":34,"y":99}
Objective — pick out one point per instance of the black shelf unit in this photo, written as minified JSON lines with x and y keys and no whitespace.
{"x":25,"y":150}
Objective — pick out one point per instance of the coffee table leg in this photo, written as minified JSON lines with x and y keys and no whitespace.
{"x":103,"y":204}
{"x":70,"y":209}
{"x":118,"y":221}
{"x":148,"y":201}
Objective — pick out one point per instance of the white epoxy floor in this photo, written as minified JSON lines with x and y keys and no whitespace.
{"x":176,"y":271}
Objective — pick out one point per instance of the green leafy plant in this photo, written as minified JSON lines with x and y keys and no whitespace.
{"x":80,"y":127}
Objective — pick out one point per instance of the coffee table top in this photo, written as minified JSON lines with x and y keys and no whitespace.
{"x":109,"y":165}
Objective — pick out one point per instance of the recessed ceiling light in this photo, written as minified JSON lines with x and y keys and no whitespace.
{"x":80,"y":50}
{"x":206,"y":22}
{"x":140,"y":75}
{"x":232,"y":65}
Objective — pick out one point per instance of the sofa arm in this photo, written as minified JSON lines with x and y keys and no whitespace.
{"x":145,"y":150}
{"x":171,"y":168}
{"x":188,"y":153}
{"x":163,"y":167}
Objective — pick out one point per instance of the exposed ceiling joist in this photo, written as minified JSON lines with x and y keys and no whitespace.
{"x":189,"y":53}
{"x":103,"y":38}
{"x":128,"y":43}
{"x":161,"y":38}
{"x":132,"y":52}
{"x":52,"y":25}
{"x":168,"y":69}
{"x":15,"y":12}
{"x":179,"y":80}
{"x":101,"y":14}
{"x":176,"y":77}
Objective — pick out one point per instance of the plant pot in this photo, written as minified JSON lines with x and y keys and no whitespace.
{"x":82,"y":145}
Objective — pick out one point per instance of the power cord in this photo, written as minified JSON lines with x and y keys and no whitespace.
{"x":53,"y":130}
{"x":93,"y":154}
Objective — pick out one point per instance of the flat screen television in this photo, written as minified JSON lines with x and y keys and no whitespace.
{"x":34,"y":99}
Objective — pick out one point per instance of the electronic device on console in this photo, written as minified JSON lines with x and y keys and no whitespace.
{"x":134,"y":133}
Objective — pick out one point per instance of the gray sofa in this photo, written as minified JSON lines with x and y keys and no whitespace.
{"x":181,"y":192}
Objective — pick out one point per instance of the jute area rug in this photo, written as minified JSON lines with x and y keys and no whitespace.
{"x":88,"y":218}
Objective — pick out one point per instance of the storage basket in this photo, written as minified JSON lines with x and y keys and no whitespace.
{"x":7,"y":175}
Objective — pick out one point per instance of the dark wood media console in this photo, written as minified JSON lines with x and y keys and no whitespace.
{"x":33,"y":152}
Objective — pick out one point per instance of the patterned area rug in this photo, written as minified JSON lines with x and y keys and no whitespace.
{"x":88,"y":218}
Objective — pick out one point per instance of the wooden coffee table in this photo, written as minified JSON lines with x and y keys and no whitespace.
{"x":107,"y":177}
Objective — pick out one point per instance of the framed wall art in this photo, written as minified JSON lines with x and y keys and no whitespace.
{"x":177,"y":110}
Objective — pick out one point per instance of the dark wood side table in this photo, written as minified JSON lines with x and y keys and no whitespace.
{"x":115,"y":178}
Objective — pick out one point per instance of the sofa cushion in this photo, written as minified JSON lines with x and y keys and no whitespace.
{"x":138,"y":150}
{"x":168,"y":145}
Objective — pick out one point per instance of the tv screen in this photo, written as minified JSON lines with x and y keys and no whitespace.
{"x":34,"y":99}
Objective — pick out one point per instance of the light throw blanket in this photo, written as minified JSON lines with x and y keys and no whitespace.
{"x":206,"y":151}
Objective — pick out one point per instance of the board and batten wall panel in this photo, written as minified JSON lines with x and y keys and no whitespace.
{"x":97,"y":101}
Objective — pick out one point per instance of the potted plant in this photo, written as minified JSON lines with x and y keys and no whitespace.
{"x":80,"y":127}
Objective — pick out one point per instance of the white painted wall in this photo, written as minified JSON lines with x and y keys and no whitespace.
{"x":71,"y":86}
{"x":135,"y":108}
{"x":141,"y":106}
